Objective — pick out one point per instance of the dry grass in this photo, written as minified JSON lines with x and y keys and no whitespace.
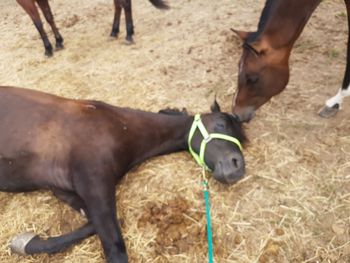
{"x":294,"y":204}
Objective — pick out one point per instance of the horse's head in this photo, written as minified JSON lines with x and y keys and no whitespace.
{"x":218,"y":146}
{"x":263,"y":73}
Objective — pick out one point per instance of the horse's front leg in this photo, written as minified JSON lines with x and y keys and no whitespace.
{"x":99,"y":197}
{"x":334,"y":104}
{"x":30,"y":8}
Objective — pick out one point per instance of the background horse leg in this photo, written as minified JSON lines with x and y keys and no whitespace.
{"x":128,"y":21}
{"x":45,"y":8}
{"x":30,"y":8}
{"x":116,"y":21}
{"x":333,"y":104}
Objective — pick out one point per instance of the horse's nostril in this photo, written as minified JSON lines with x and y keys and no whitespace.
{"x":235,"y":162}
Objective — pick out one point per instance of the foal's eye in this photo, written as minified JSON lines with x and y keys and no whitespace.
{"x":220,"y":126}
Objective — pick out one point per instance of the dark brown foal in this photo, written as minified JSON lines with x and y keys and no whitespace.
{"x":30,"y":7}
{"x":81,"y":149}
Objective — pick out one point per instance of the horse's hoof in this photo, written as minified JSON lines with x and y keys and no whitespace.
{"x":328,"y":112}
{"x":59,"y":46}
{"x":48,"y":53}
{"x":129,"y":41}
{"x":19,"y":242}
{"x":114,"y":34}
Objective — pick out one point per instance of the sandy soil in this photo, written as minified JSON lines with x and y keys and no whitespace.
{"x":293,"y":206}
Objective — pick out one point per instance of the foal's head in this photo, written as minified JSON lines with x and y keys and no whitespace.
{"x":263,"y":73}
{"x":222,"y":155}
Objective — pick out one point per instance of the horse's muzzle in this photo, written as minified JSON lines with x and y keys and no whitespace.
{"x":244,"y":114}
{"x":230,"y":170}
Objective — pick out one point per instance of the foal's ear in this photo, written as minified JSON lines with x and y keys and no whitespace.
{"x":215,"y":107}
{"x":243,"y":35}
{"x":184,"y":111}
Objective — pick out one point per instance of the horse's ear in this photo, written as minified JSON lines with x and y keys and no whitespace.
{"x":243,"y":35}
{"x":235,"y":118}
{"x":215,"y":107}
{"x":184,"y":111}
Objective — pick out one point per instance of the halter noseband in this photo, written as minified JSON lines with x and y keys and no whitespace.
{"x":197,"y":123}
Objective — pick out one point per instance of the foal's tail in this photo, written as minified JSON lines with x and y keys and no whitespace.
{"x":160,"y":4}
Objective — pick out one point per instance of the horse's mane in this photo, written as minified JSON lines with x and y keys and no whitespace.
{"x":263,"y":20}
{"x":173,"y":111}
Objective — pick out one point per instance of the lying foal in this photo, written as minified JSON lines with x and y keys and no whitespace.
{"x":80,"y":149}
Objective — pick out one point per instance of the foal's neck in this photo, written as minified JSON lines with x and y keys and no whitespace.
{"x":156,"y":134}
{"x":282,"y":21}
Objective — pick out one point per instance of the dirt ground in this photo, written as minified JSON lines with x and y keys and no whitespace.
{"x":293,"y":205}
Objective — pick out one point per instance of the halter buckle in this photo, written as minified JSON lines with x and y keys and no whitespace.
{"x":207,"y":139}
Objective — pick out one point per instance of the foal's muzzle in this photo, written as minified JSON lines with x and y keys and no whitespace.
{"x":231,"y":169}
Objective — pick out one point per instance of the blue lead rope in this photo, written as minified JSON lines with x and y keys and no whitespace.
{"x":199,"y":157}
{"x":207,"y":212}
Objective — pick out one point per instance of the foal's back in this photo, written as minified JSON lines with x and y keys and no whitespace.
{"x":42,"y":133}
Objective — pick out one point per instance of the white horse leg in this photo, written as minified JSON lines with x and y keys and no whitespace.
{"x":333,"y":105}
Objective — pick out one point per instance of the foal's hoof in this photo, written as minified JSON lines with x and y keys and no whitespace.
{"x":19,"y":242}
{"x":122,"y":258}
{"x":328,"y":112}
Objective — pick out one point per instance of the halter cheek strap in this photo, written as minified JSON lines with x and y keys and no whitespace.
{"x":198,"y":124}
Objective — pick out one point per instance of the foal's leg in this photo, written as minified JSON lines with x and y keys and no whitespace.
{"x":29,"y":243}
{"x":45,"y":7}
{"x":334,"y":104}
{"x":30,"y":8}
{"x":128,"y":21}
{"x":73,"y":200}
{"x":99,"y":197}
{"x":116,"y":21}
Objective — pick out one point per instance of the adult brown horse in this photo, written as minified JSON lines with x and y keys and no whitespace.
{"x":264,"y":64}
{"x":80,"y":149}
{"x":30,"y":7}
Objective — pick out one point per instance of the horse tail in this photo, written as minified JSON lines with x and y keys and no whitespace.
{"x":160,"y":4}
{"x":28,"y":243}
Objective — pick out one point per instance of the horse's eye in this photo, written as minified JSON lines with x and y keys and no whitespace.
{"x":220,"y":126}
{"x":252,"y":78}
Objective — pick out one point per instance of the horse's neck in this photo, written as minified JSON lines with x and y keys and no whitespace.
{"x":155,"y":134}
{"x":285,"y":20}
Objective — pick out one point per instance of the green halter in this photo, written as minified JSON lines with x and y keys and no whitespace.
{"x":197,"y":123}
